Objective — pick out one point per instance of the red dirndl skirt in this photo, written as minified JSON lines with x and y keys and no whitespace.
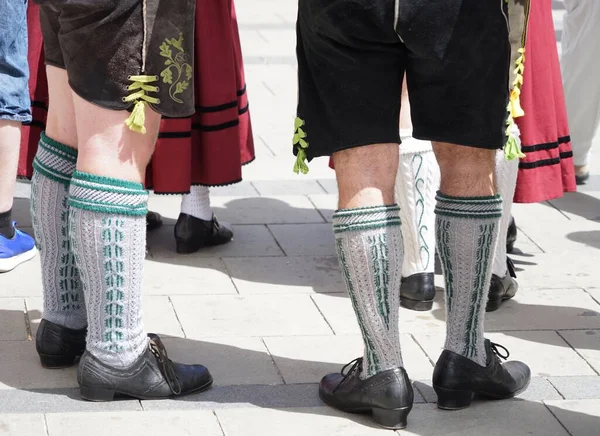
{"x":546,"y":171}
{"x":208,"y":148}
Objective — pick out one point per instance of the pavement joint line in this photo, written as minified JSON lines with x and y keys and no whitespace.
{"x":273,"y":361}
{"x":230,"y":277}
{"x":586,"y":291}
{"x":276,"y":241}
{"x":322,"y":314}
{"x":421,"y":348}
{"x":46,"y":429}
{"x":552,"y":205}
{"x":556,"y":417}
{"x":214,"y":412}
{"x":177,"y":317}
{"x":261,"y":36}
{"x":554,"y":387}
{"x":261,"y":139}
{"x":577,"y":352}
{"x":316,"y":208}
{"x":323,"y":187}
{"x":268,"y":88}
{"x":27,"y":321}
{"x":530,"y":239}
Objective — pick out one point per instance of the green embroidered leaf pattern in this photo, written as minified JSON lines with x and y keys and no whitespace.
{"x":176,"y":67}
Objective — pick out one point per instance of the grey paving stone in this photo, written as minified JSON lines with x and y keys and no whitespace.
{"x":579,"y":205}
{"x":244,"y":188}
{"x":22,"y":425}
{"x":546,"y":353}
{"x":252,"y":315}
{"x":586,"y":343}
{"x":160,"y":317}
{"x":544,"y":309}
{"x":20,"y":369}
{"x":491,"y":418}
{"x":12,"y":319}
{"x":539,"y":389}
{"x":295,"y":422}
{"x":200,"y":422}
{"x":188,"y":275}
{"x":231,"y":361}
{"x":550,"y":271}
{"x":288,"y":187}
{"x":283,"y":275}
{"x":580,"y":417}
{"x":20,"y":212}
{"x":330,"y":185}
{"x":23,"y":281}
{"x":305,"y":239}
{"x":577,"y":388}
{"x":306,"y":359}
{"x":326,"y":204}
{"x":57,"y":401}
{"x":253,"y":240}
{"x":232,"y":397}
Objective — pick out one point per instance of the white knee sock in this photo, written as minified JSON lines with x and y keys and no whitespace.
{"x":506,"y":181}
{"x":416,"y":184}
{"x":197,"y":203}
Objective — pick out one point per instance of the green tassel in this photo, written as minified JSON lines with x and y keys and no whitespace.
{"x":511,"y":149}
{"x":137,"y":119}
{"x":300,"y":165}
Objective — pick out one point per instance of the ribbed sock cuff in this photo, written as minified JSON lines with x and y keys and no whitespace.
{"x":469,"y":207}
{"x":365,"y":218}
{"x":107,"y":195}
{"x":55,"y":160}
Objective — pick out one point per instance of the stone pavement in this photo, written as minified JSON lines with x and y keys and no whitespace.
{"x":268,"y":313}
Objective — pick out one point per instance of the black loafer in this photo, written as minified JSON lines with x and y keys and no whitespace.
{"x":418,"y":291}
{"x":456,"y":378}
{"x":58,"y":346}
{"x":511,"y":235}
{"x":153,"y":376}
{"x":502,"y":288}
{"x":387,"y":395}
{"x":153,"y":221}
{"x":192,"y":234}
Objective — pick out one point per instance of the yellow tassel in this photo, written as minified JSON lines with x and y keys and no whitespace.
{"x":516,"y":110}
{"x":300,"y":165}
{"x":137,"y":119}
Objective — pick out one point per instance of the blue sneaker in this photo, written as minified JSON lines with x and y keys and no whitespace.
{"x":16,"y":250}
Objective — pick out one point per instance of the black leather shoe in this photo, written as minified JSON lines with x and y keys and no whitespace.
{"x":192,"y":234}
{"x":387,"y":395}
{"x":457,"y":378}
{"x":511,"y":235}
{"x":58,"y":346}
{"x":153,"y":221}
{"x":417,"y":291}
{"x":153,"y":376}
{"x":502,"y":288}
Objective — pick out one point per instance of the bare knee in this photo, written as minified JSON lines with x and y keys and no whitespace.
{"x":60,"y":123}
{"x":366,"y":175}
{"x":465,"y":171}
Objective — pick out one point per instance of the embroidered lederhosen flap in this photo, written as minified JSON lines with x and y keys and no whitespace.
{"x":169,"y":55}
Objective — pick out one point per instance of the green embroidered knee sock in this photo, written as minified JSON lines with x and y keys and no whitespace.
{"x":108,"y":234}
{"x":466,"y":233}
{"x":369,"y":248}
{"x":54,"y":164}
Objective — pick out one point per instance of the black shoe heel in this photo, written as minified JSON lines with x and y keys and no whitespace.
{"x":57,"y":362}
{"x":394,"y":419}
{"x":96,"y":394}
{"x":186,"y":246}
{"x":451,"y":399}
{"x":419,"y":306}
{"x":493,"y":305}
